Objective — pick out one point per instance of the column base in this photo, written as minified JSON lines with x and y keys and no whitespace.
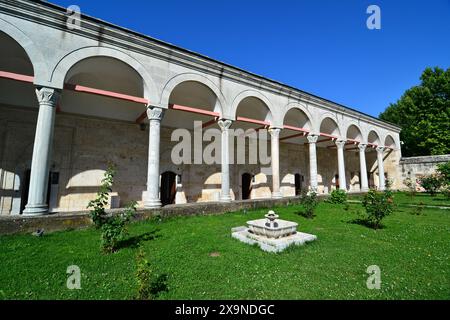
{"x":35,"y":210}
{"x":225,"y":199}
{"x":150,"y":202}
{"x":277,"y":195}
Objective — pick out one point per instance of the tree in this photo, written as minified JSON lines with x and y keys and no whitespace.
{"x":423,"y":113}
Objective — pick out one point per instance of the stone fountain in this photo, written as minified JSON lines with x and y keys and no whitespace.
{"x":271,"y":234}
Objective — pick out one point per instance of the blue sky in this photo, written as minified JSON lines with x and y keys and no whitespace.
{"x":322,"y":47}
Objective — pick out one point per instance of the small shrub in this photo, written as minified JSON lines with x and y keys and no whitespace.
{"x":411,"y":185}
{"x":143,"y":275}
{"x":431,"y":183}
{"x":114,"y":228}
{"x":309,"y":202}
{"x":150,"y":285}
{"x":377,"y":205}
{"x":338,"y":196}
{"x":446,"y":192}
{"x":97,"y":205}
{"x":418,"y":210}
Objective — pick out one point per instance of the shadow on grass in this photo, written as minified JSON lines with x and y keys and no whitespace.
{"x":366,"y":223}
{"x":135,"y":241}
{"x":305,"y":214}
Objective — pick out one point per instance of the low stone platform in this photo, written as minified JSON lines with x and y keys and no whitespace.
{"x":268,"y":244}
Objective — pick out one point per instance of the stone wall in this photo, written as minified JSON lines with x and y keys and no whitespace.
{"x":416,"y":167}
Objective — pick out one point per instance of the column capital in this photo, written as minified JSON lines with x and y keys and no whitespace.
{"x":274,"y":132}
{"x":340,"y":143}
{"x":47,"y":96}
{"x":312,"y":138}
{"x":380,"y":149}
{"x":224,"y":124}
{"x":155,"y":113}
{"x":362,"y":147}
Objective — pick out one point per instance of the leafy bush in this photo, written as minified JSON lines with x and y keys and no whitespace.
{"x":309,"y":202}
{"x":411,"y":185}
{"x":114,"y":228}
{"x":143,"y":275}
{"x":431,"y":183}
{"x":338,"y":196}
{"x":443,"y":170}
{"x":149,"y":284}
{"x":377,"y":205}
{"x":97,"y":212}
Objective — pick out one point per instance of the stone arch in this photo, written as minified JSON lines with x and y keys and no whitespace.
{"x":302,"y":107}
{"x":40,"y":67}
{"x":254,"y":94}
{"x":68,"y":61}
{"x":185,"y":77}
{"x":389,"y":141}
{"x":350,"y":124}
{"x":373,"y":139}
{"x":331,"y":117}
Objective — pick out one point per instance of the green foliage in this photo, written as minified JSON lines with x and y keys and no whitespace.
{"x":338,"y":196}
{"x":411,"y":185}
{"x":144,"y":276}
{"x":418,"y":210}
{"x":378,"y":205}
{"x":114,"y":228}
{"x":98,"y":204}
{"x":443,"y":170}
{"x":309,"y":202}
{"x":423,"y":112}
{"x":431,"y":183}
{"x":150,"y":285}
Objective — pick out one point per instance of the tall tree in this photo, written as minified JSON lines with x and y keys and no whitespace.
{"x":423,"y":113}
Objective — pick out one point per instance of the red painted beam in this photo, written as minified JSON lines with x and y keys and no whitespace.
{"x":16,"y":77}
{"x":111,"y":94}
{"x":295,"y":128}
{"x":193,"y":110}
{"x":243,"y":119}
{"x":327,"y":135}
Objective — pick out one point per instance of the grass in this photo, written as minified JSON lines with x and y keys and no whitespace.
{"x":403,"y":198}
{"x":202,"y":261}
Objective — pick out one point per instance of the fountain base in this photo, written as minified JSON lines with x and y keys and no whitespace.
{"x":272,"y":235}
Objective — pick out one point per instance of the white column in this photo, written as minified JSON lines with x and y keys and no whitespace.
{"x":312,"y":139}
{"x":341,"y":164}
{"x":224,"y":126}
{"x":42,"y":152}
{"x":275,"y":156}
{"x":381,"y":184}
{"x":364,"y":185}
{"x":151,"y":196}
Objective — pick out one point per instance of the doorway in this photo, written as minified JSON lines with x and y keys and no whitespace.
{"x":168,"y":188}
{"x":336,"y":178}
{"x":298,"y":184}
{"x":246,"y":185}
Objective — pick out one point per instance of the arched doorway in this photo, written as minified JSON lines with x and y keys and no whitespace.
{"x":246,"y":185}
{"x":168,"y":188}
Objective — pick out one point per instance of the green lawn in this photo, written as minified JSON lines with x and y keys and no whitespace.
{"x":403,"y":198}
{"x":411,"y":250}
